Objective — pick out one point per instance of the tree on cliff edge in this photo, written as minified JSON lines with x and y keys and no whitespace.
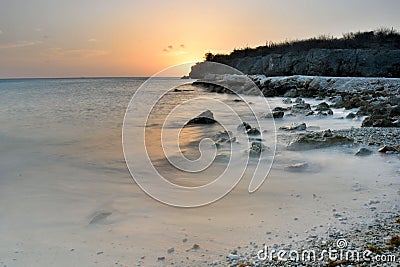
{"x":209,"y":56}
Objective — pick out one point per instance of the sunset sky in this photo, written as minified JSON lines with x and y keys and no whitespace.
{"x":75,"y":38}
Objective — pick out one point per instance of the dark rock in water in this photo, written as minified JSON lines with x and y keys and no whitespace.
{"x":395,"y":111}
{"x":299,"y":100}
{"x":377,"y":121}
{"x":394,"y":149}
{"x":99,"y":216}
{"x":256,"y":148}
{"x":253,"y":131}
{"x":325,"y":113}
{"x":244,"y":127}
{"x":322,"y":107}
{"x":287,"y":101}
{"x":351,"y":115}
{"x":292,"y":93}
{"x":363,"y":152}
{"x":294,"y":127}
{"x":301,"y":108}
{"x":279,"y":109}
{"x":297,"y":167}
{"x":278,"y":114}
{"x":207,"y":117}
{"x":223,"y":137}
{"x":211,"y":87}
{"x":318,"y":140}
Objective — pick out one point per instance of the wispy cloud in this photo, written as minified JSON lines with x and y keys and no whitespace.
{"x":1,"y":32}
{"x":19,"y":44}
{"x":86,"y":53}
{"x":92,"y":40}
{"x":171,"y":50}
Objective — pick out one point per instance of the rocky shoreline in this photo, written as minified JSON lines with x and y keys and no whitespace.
{"x":376,"y":98}
{"x":377,"y":102}
{"x":377,"y":244}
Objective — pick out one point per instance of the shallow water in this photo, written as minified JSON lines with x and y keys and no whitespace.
{"x":61,"y":163}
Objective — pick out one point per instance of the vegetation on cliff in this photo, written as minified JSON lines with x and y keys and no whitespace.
{"x":383,"y":38}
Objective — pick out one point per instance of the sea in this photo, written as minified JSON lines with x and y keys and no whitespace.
{"x":72,"y":192}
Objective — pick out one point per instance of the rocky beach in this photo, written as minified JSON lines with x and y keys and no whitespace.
{"x":375,"y":104}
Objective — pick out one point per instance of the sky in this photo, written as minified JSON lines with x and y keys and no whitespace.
{"x":104,"y":38}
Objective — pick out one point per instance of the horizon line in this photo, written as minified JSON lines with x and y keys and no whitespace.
{"x":85,"y":77}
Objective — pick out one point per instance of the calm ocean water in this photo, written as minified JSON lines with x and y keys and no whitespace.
{"x":80,"y":120}
{"x":62,"y":164}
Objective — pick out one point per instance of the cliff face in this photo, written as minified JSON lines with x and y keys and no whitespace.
{"x":317,"y":62}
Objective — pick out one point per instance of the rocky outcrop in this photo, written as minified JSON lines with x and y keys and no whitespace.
{"x":206,"y":117}
{"x":317,"y":62}
{"x":314,"y":140}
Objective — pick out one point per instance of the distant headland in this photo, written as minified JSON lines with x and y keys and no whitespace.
{"x":360,"y":54}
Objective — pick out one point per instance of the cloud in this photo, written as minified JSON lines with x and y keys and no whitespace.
{"x":1,"y":32}
{"x":19,"y":44}
{"x":85,"y":53}
{"x":92,"y":40}
{"x":170,"y":50}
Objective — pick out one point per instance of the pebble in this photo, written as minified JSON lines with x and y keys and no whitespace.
{"x":233,"y":257}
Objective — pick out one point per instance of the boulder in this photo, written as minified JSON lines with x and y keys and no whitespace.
{"x":253,"y":131}
{"x":287,"y":101}
{"x":363,"y":152}
{"x":297,"y":167}
{"x":256,"y":148}
{"x":393,"y":149}
{"x":322,"y":107}
{"x":278,"y":114}
{"x":207,"y":117}
{"x":303,"y":108}
{"x":243,"y":127}
{"x":294,"y":127}
{"x":223,"y":137}
{"x":315,"y":140}
{"x":377,"y":121}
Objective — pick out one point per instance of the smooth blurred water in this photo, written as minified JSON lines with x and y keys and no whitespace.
{"x":80,"y":120}
{"x":61,"y":162}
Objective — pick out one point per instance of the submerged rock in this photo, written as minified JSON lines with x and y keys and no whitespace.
{"x":244,"y":127}
{"x":297,"y":167}
{"x":99,"y":216}
{"x":393,"y":149}
{"x":256,"y":148}
{"x":294,"y":127}
{"x":303,"y":108}
{"x":278,"y":114}
{"x":322,"y":107}
{"x":223,"y":137}
{"x":363,"y":152}
{"x":287,"y":101}
{"x":351,"y":115}
{"x":253,"y":131}
{"x":378,"y":121}
{"x":207,"y":117}
{"x":315,"y":140}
